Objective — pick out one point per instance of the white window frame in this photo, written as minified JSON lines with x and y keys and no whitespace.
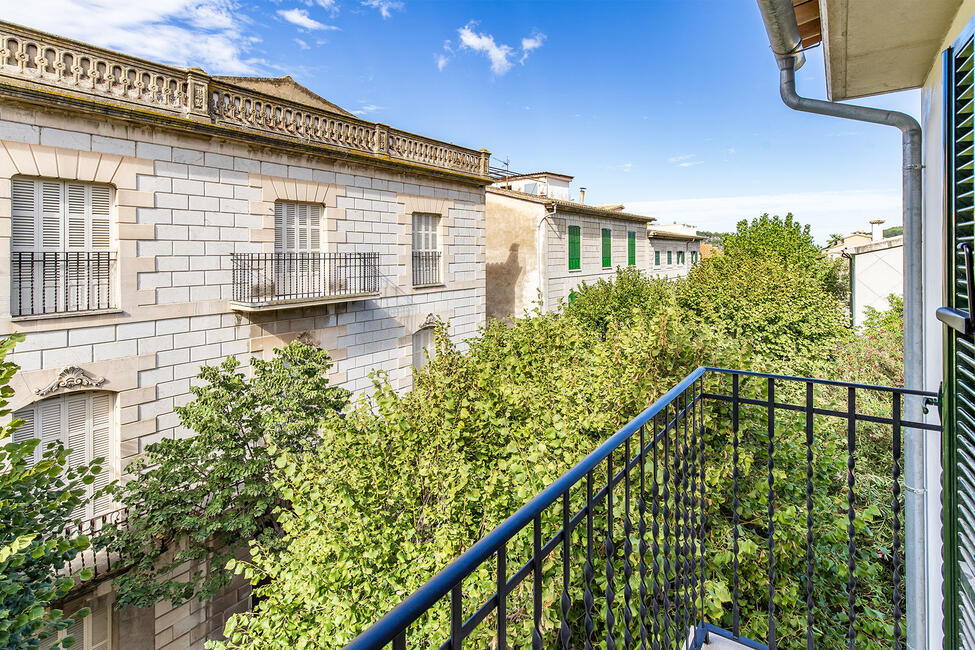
{"x":83,"y":632}
{"x":52,"y":419}
{"x":423,"y":347}
{"x":427,"y":237}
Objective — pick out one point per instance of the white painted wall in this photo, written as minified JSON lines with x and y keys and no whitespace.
{"x":878,"y":272}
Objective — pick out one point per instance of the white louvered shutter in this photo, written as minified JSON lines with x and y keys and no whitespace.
{"x":99,"y":624}
{"x":26,"y":431}
{"x":314,"y":228}
{"x":23,"y":199}
{"x":101,"y":447}
{"x":76,"y":217}
{"x":51,"y":193}
{"x":101,"y":224}
{"x":49,"y":425}
{"x":279,"y":227}
{"x":77,"y":421}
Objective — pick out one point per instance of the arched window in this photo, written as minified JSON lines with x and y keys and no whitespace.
{"x":83,"y":423}
{"x":422,"y":346}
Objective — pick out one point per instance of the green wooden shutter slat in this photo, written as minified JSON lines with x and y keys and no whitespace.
{"x":607,"y":248}
{"x":575,"y":257}
{"x":959,"y":450}
{"x":631,"y":248}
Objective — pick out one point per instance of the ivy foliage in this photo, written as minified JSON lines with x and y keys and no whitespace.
{"x":198,"y":499}
{"x":36,"y":505}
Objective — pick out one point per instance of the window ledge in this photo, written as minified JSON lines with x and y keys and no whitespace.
{"x":67,"y":314}
{"x":432,"y":285}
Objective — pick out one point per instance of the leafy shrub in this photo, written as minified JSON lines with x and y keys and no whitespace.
{"x":199,"y":499}
{"x":762,"y":301}
{"x":629,"y":295}
{"x":399,"y":490}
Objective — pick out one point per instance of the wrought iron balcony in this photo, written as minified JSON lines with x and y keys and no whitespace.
{"x":426,"y":268}
{"x":693,"y":522}
{"x":61,"y":282}
{"x":103,"y":562}
{"x":279,"y":280}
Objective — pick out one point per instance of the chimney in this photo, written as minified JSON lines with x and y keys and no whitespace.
{"x":876,"y":230}
{"x":582,"y":195}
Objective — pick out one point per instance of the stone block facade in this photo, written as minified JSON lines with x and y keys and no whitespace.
{"x":187,"y":194}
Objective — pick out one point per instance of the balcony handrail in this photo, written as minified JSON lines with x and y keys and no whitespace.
{"x":400,"y":617}
{"x":62,"y":282}
{"x":264,"y":279}
{"x":392,"y":627}
{"x":102,"y":74}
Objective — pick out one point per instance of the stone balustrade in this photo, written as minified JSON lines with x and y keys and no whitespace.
{"x":30,"y":57}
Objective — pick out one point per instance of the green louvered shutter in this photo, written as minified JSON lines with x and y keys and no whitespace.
{"x":959,"y":406}
{"x":631,"y":247}
{"x":575,"y":247}
{"x":607,"y":248}
{"x":656,"y":258}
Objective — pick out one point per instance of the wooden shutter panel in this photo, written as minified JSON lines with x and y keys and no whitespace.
{"x":27,"y":431}
{"x":77,"y":419}
{"x":631,"y":248}
{"x":959,"y":406}
{"x":278,"y":227}
{"x":101,"y":212}
{"x":315,"y":228}
{"x":23,"y":199}
{"x":76,"y":217}
{"x":99,"y":624}
{"x":101,"y":447}
{"x":575,"y":257}
{"x":51,"y":215}
{"x":302,"y":226}
{"x":607,"y":248}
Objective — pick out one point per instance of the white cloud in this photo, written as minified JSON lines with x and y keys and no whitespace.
{"x":691,"y":163}
{"x":499,"y":55}
{"x":329,"y":5}
{"x":301,"y":18}
{"x":829,"y":211}
{"x":442,"y":61}
{"x":207,"y":33}
{"x":366,"y":109}
{"x":385,"y":7}
{"x":303,"y":45}
{"x":624,"y":167}
{"x":673,"y":160}
{"x":531,"y":43}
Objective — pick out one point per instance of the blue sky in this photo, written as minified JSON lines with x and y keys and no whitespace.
{"x":668,"y":106}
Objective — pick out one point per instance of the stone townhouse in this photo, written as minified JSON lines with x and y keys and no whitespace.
{"x":154,"y":219}
{"x":542,"y":245}
{"x":673,"y":249}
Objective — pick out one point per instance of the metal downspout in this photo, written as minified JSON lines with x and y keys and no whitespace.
{"x":783,"y":32}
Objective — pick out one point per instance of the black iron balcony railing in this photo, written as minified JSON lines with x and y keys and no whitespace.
{"x":426,"y":268}
{"x":102,"y":562}
{"x":267,"y":279}
{"x":61,"y":282}
{"x":741,"y":505}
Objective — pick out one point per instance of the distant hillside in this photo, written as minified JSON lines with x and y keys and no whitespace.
{"x":894,"y":231}
{"x":716,"y":239}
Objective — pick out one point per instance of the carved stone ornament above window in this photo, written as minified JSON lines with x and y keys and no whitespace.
{"x":69,"y":378}
{"x":431,"y":321}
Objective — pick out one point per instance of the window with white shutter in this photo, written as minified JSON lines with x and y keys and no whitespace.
{"x":82,"y":422}
{"x":426,"y":249}
{"x":297,"y":227}
{"x":422,"y":347}
{"x":61,"y":246}
{"x":94,"y":632}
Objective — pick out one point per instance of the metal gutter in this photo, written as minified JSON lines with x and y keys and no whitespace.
{"x":783,"y":33}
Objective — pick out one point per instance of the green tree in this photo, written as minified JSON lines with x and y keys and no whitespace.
{"x":36,"y":502}
{"x":199,"y":499}
{"x":404,"y":485}
{"x":789,"y":242}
